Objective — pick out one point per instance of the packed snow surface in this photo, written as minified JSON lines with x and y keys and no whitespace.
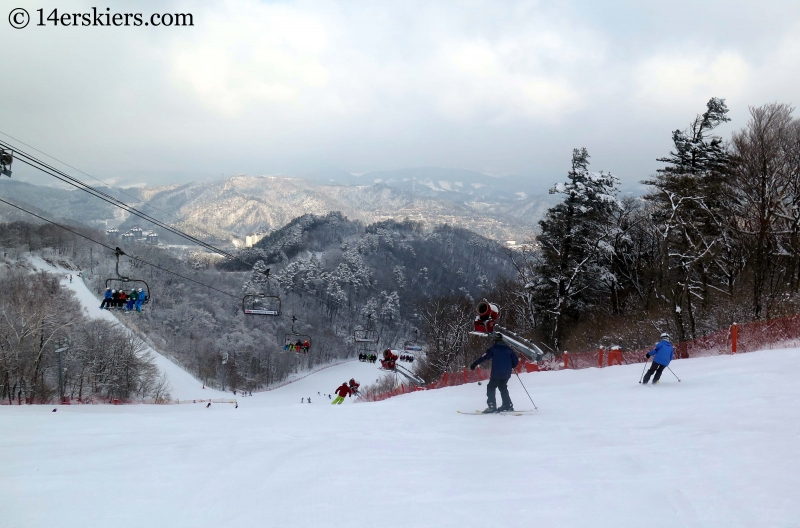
{"x":718,"y":449}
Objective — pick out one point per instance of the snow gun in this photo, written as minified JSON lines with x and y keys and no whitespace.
{"x":488,"y":314}
{"x":486,"y":326}
{"x":406,"y":373}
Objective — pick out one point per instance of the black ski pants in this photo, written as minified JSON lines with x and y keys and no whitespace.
{"x":501,"y":384}
{"x":655,"y":368}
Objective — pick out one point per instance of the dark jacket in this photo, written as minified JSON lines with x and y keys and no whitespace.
{"x":503,"y":360}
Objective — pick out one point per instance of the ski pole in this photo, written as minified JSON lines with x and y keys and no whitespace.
{"x":645,"y":368}
{"x":676,"y":376}
{"x":526,"y":392}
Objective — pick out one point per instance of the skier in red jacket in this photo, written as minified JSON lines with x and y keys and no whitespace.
{"x":354,"y":385}
{"x":341,"y":392}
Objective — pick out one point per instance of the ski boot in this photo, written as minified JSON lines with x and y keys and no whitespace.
{"x":490,"y":410}
{"x":506,"y":408}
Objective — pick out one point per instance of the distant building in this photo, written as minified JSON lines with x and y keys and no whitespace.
{"x":128,"y":237}
{"x":252,"y":240}
{"x":152,"y":238}
{"x":113,"y":232}
{"x":137,"y":232}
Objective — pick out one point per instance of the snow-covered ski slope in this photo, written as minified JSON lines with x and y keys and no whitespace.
{"x":718,"y":449}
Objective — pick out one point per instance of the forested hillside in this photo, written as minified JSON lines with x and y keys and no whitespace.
{"x":715,"y":240}
{"x":43,"y":330}
{"x":331,"y":274}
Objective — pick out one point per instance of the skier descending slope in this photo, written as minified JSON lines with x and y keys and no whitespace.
{"x":662,"y":354}
{"x":341,"y":392}
{"x":503,"y":362}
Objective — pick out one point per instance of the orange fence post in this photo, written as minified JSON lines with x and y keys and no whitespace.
{"x":734,"y":337}
{"x":566,"y":359}
{"x":600,"y":358}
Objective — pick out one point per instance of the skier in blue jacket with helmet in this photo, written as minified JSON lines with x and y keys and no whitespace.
{"x":503,"y":362}
{"x":662,"y":354}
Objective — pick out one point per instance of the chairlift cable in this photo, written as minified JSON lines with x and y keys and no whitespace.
{"x":138,"y":259}
{"x":75,"y":182}
{"x":132,"y":257}
{"x":90,"y":176}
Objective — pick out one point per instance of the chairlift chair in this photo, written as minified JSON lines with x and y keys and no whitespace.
{"x":121,"y":282}
{"x":261,"y":304}
{"x":411,"y":346}
{"x":291,"y":339}
{"x":366,"y":334}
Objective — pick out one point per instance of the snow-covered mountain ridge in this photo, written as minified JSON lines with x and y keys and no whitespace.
{"x":243,"y":204}
{"x":225,"y":210}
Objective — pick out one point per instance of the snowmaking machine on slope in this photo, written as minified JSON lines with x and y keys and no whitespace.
{"x":485,"y":325}
{"x":389,"y":364}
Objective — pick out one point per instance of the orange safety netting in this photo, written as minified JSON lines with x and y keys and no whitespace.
{"x":749,"y":337}
{"x":448,"y":379}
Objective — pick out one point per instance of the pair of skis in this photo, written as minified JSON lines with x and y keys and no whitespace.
{"x":507,"y":413}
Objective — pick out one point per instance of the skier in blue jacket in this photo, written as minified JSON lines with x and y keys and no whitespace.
{"x":662,"y":354}
{"x":503,"y":362}
{"x":107,"y":299}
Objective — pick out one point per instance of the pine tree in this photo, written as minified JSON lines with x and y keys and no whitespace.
{"x":574,"y":243}
{"x":688,"y":198}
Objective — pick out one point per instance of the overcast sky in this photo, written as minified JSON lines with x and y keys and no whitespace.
{"x":299,"y":87}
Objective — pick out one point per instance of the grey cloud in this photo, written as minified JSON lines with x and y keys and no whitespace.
{"x":503,"y":88}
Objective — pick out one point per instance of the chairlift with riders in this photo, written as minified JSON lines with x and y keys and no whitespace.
{"x":121,"y":283}
{"x":297,"y":342}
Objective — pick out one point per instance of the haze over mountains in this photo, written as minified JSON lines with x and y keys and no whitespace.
{"x":495,"y":207}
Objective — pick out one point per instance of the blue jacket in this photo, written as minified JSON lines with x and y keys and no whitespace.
{"x":662,"y":353}
{"x":107,"y":294}
{"x":503,"y":360}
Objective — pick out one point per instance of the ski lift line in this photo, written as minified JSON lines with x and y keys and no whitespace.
{"x":70,"y":180}
{"x":118,"y":203}
{"x":122,"y":205}
{"x":132,"y":257}
{"x":89,"y":175}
